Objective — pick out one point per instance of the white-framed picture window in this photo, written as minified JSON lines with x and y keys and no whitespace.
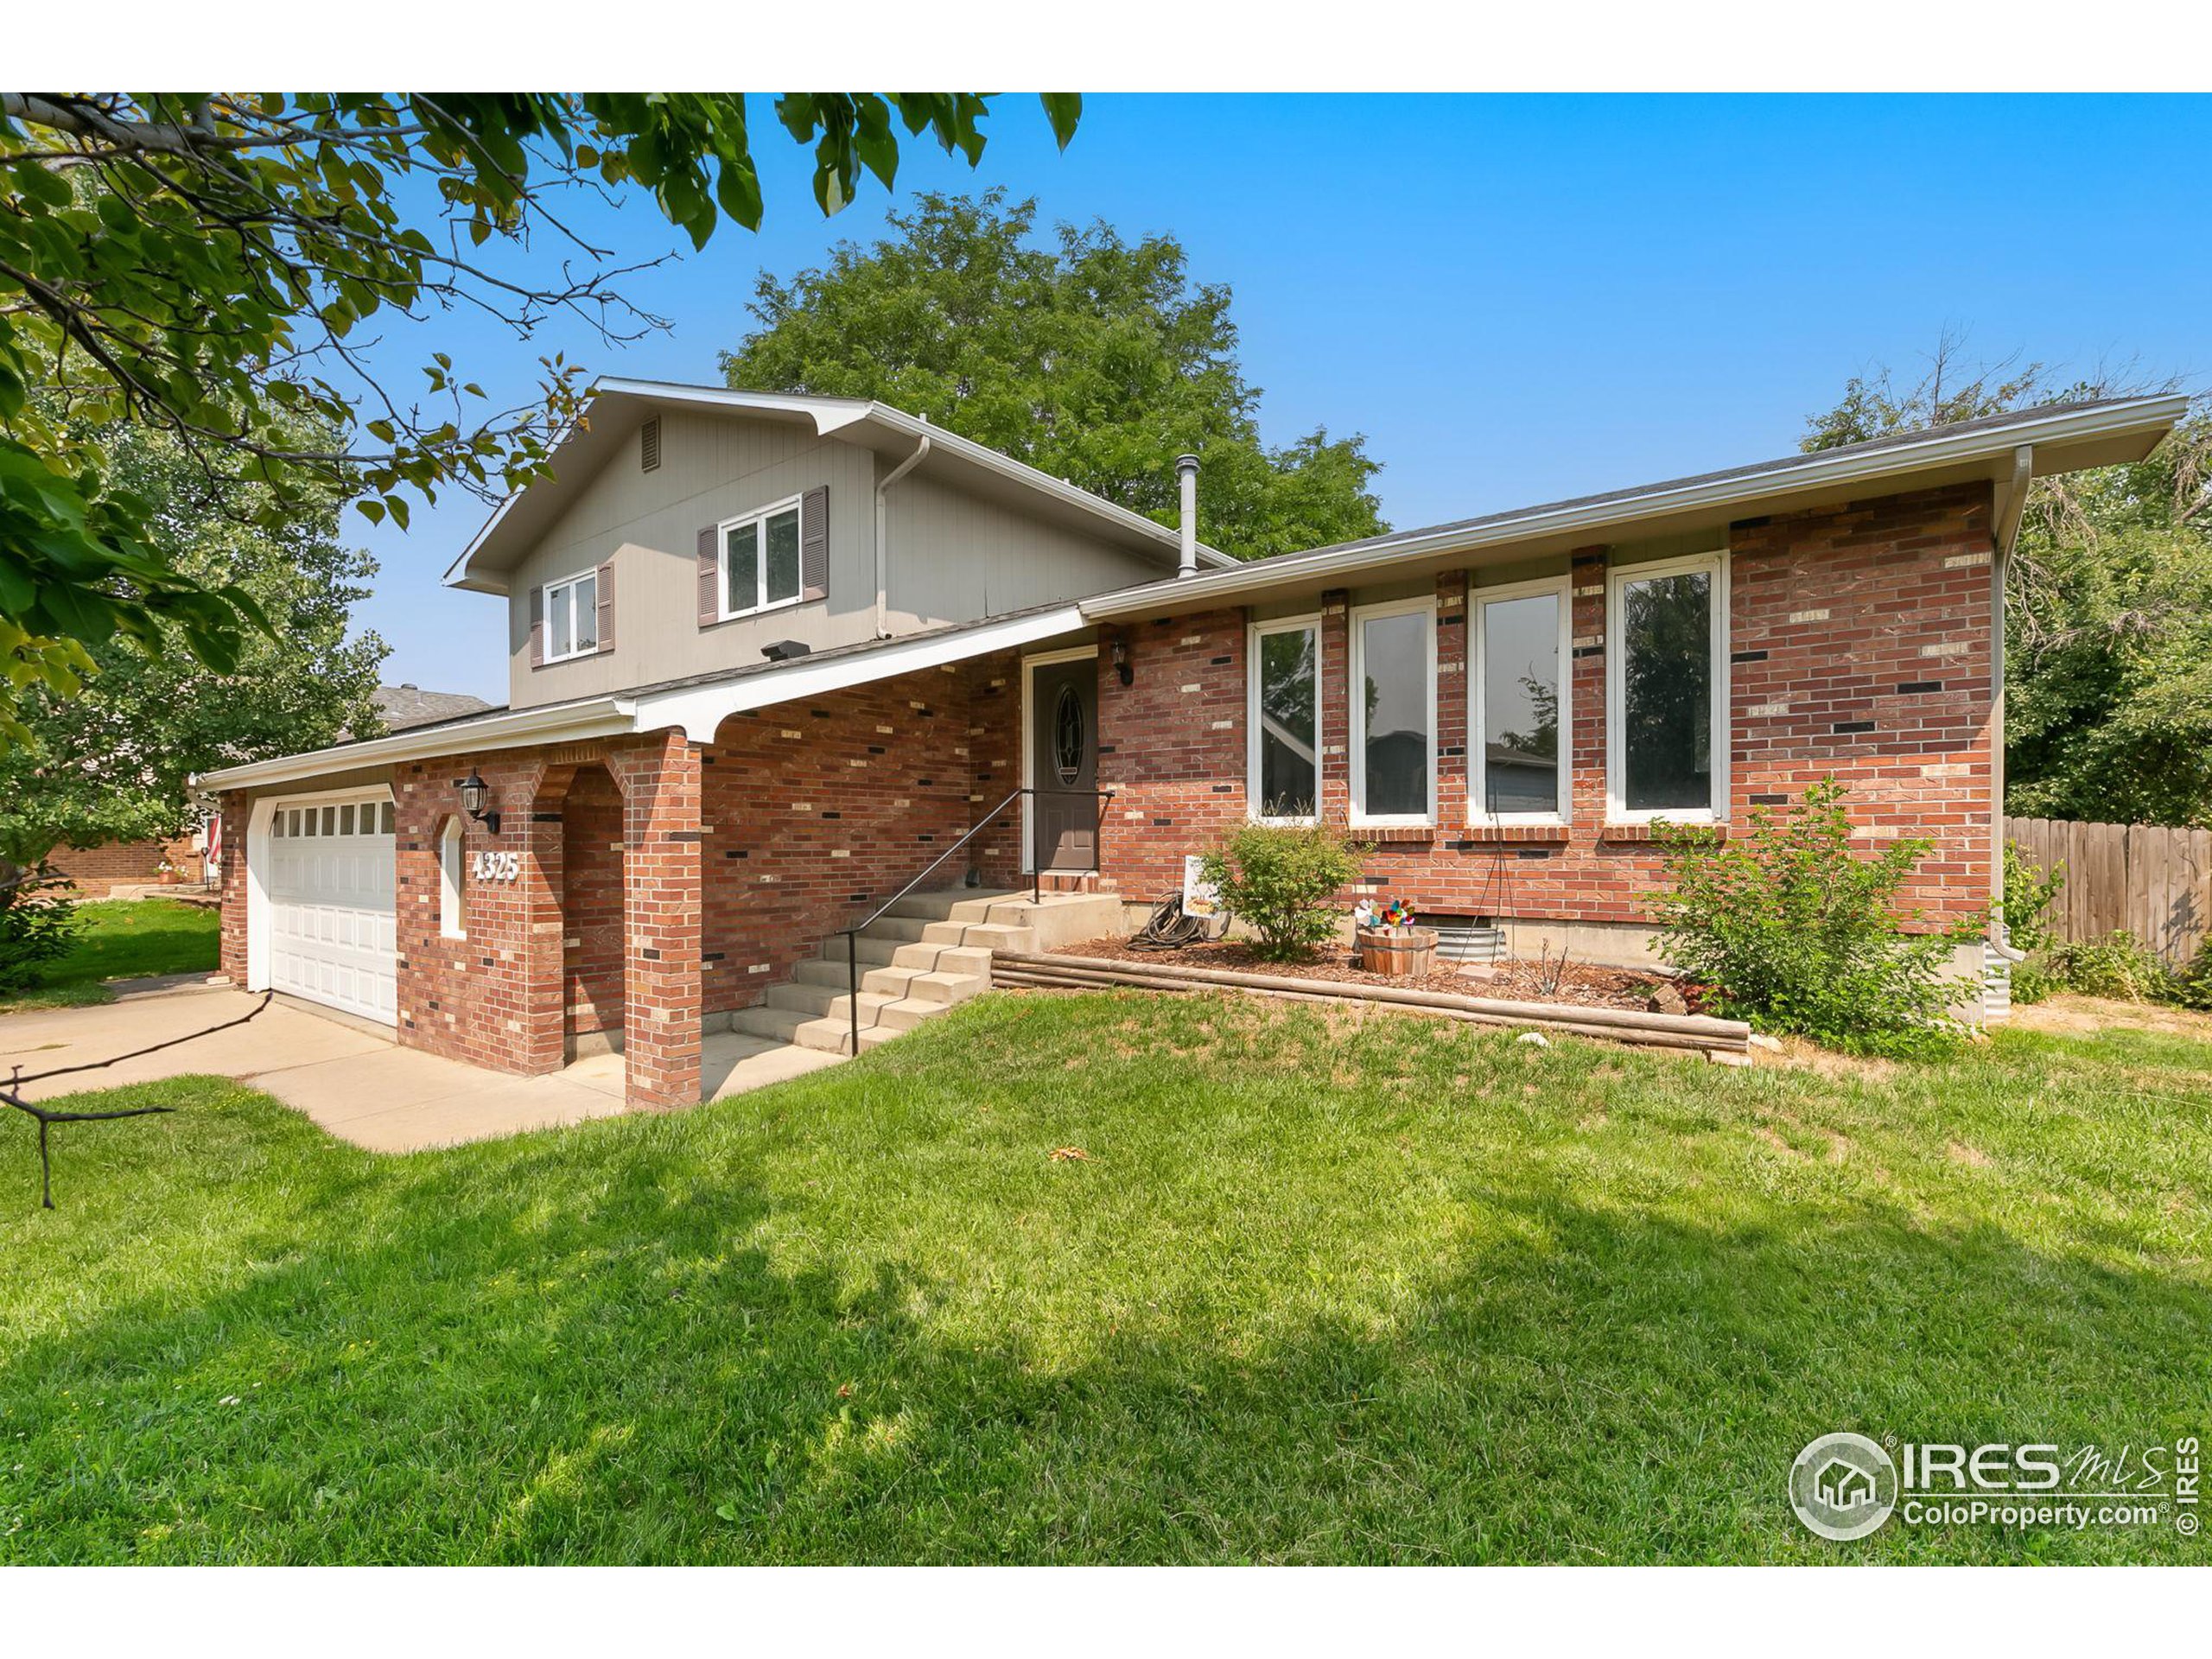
{"x":1394,"y":713}
{"x":1519,"y":714}
{"x":572,"y":616}
{"x":1667,"y":691}
{"x":760,"y":560}
{"x":453,"y":897}
{"x":1283,"y":720}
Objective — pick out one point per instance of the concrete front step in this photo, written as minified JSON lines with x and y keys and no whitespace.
{"x":912,"y":930}
{"x":934,"y":985}
{"x":896,"y":953}
{"x":808,"y":1030}
{"x":877,"y":1008}
{"x":1056,"y":920}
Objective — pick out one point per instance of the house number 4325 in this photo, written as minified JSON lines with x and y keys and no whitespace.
{"x":495,"y":867}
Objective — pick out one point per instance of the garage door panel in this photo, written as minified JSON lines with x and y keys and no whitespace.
{"x":333,"y":935}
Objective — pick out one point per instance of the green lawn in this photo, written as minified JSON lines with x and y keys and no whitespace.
{"x":1319,"y":1291}
{"x":124,"y":938}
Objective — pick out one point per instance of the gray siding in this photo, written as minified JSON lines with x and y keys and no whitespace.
{"x":954,"y":558}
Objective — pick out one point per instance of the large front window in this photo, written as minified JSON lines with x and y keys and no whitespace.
{"x":1519,"y":770}
{"x":572,"y":617}
{"x":1394,"y":713}
{"x":1285,"y":721}
{"x":1667,"y":691}
{"x":760,"y":561}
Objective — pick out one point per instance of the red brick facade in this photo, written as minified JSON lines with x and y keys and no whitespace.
{"x":660,"y":883}
{"x":1859,"y":640}
{"x":95,"y":870}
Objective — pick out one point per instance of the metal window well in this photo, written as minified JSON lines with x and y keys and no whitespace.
{"x":1462,"y":938}
{"x":1996,"y":985}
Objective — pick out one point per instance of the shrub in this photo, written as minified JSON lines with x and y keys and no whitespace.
{"x":2029,"y":891}
{"x":1795,"y":933}
{"x":38,"y":924}
{"x":2192,"y":985}
{"x":1283,"y":882}
{"x":2118,"y":965}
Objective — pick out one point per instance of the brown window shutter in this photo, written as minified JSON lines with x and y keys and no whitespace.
{"x":711,"y":575}
{"x":537,"y":627}
{"x":814,"y":543}
{"x":605,"y":587}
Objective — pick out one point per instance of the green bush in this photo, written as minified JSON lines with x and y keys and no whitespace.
{"x":2029,"y":891}
{"x":1792,"y":932}
{"x":1282,"y":882}
{"x":2192,"y":985}
{"x":2119,"y":966}
{"x":38,"y":924}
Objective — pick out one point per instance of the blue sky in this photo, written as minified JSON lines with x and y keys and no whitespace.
{"x":1516,"y":299}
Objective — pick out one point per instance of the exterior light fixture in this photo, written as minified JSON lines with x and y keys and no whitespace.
{"x":1121,"y":662}
{"x":474,"y":792}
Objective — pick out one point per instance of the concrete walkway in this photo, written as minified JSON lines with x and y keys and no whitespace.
{"x":351,"y":1079}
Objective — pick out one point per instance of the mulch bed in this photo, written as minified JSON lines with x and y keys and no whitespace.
{"x":1580,"y":984}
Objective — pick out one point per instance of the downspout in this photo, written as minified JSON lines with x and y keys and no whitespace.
{"x":2004,"y":531}
{"x":883,"y":535}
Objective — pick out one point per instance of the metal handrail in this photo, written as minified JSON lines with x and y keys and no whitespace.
{"x":1036,"y":886}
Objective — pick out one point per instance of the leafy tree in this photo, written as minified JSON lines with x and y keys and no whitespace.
{"x":1091,"y":357}
{"x":112,"y":763}
{"x":205,"y":265}
{"x":2109,"y":604}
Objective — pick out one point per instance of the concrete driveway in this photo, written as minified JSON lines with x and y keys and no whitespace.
{"x":356,"y":1083}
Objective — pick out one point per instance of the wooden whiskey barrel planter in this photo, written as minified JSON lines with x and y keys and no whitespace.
{"x":1401,"y":952}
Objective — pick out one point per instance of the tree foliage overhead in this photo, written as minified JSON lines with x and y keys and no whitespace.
{"x":1091,"y":357}
{"x":2107,"y":605}
{"x":210,"y":266}
{"x":112,"y":763}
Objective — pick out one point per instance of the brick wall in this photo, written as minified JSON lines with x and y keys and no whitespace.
{"x":1860,"y":642}
{"x":592,"y":965}
{"x":817,"y":811}
{"x":125,"y":863}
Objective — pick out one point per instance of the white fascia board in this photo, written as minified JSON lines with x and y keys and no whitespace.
{"x":561,"y":723}
{"x":701,"y":709}
{"x":1841,"y":470}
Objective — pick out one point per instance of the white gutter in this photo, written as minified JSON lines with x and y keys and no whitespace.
{"x":883,"y":534}
{"x":700,"y":709}
{"x":2011,"y":502}
{"x":1839,"y":469}
{"x":560,"y":722}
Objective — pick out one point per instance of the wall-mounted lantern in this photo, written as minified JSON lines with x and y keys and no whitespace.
{"x":475,"y":792}
{"x":1121,"y":662}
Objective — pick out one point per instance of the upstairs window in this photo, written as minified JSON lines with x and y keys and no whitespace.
{"x":1520,"y":719}
{"x":760,"y":561}
{"x":1667,"y":691}
{"x":572,"y":617}
{"x":1394,"y":713}
{"x":1283,"y":718}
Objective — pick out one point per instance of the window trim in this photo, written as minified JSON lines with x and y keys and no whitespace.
{"x":1478,"y":715}
{"x":759,"y":518}
{"x":1359,"y":616}
{"x":1618,"y":578}
{"x":553,"y":586}
{"x":1254,"y":633}
{"x":453,"y":914}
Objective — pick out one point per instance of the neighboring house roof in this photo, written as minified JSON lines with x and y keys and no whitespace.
{"x":616,"y":406}
{"x":2009,"y":449}
{"x":409,"y":705}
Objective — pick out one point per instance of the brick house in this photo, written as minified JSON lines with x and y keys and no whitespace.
{"x":770,"y":657}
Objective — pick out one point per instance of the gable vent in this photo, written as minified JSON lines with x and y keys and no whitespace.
{"x":649,"y":445}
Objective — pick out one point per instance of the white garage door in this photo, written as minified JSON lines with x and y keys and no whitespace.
{"x":330,"y":899}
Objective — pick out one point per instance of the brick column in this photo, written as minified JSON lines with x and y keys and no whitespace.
{"x":663,"y":827}
{"x":1588,"y":670}
{"x":1455,"y":650}
{"x":1336,"y":706}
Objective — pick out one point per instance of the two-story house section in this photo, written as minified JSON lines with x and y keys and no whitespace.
{"x":773,"y":658}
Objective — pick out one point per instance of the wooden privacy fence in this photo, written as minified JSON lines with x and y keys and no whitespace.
{"x":2153,"y":881}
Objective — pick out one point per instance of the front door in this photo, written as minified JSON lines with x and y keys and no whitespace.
{"x":1064,"y":764}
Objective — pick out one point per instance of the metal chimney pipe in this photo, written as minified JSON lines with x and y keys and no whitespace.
{"x":1186,"y":477}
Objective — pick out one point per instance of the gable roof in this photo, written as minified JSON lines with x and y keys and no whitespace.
{"x":2030,"y":443}
{"x":617,"y":406}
